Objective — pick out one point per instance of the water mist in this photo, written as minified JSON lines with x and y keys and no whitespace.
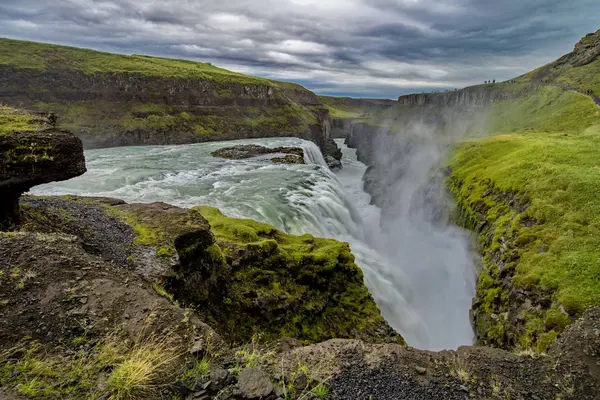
{"x":422,"y":245}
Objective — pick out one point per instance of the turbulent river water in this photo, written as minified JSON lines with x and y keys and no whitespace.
{"x":297,"y":199}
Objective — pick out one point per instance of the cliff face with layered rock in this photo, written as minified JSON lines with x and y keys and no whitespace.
{"x":116,"y":100}
{"x":476,"y":96}
{"x":345,"y":111}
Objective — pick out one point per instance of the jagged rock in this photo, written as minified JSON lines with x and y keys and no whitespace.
{"x":333,"y":163}
{"x":301,"y":381}
{"x":254,"y":383}
{"x":32,"y":154}
{"x":242,"y":151}
{"x":586,"y":51}
{"x":357,"y":370}
{"x":219,"y":378}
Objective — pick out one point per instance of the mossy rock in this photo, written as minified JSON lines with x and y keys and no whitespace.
{"x":298,"y":286}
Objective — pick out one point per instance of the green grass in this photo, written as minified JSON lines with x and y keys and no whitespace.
{"x":558,"y":175}
{"x":45,"y":57}
{"x":583,"y":78}
{"x":199,"y":370}
{"x":14,"y":120}
{"x":544,"y":108}
{"x":138,"y":371}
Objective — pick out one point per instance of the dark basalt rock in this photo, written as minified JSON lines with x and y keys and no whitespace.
{"x":333,"y":163}
{"x":30,"y":158}
{"x":242,"y":151}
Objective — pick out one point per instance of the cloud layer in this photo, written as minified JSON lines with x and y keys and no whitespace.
{"x":365,"y":48}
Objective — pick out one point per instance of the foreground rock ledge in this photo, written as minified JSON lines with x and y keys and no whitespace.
{"x":40,"y":154}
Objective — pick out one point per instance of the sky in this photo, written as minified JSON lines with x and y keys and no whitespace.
{"x":359,"y":48}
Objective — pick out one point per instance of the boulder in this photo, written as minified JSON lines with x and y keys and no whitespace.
{"x":32,"y":152}
{"x":254,"y":383}
{"x":333,"y":163}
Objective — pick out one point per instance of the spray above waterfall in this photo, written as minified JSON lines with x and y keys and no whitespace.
{"x":436,"y":256}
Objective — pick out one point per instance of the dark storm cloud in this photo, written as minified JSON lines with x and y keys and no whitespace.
{"x":359,"y":47}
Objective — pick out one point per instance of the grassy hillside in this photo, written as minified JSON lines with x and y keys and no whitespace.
{"x":531,"y":189}
{"x":47,"y":57}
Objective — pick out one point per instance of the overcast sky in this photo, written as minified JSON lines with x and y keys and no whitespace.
{"x":363,"y":48}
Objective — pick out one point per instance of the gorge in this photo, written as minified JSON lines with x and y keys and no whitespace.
{"x":462,"y":224}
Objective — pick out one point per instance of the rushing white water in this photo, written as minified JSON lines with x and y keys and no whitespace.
{"x":295,"y":198}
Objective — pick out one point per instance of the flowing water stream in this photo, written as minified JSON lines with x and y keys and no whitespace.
{"x":297,"y":199}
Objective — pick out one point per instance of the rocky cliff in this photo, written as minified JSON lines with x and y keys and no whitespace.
{"x":32,"y":152}
{"x":114,"y":100}
{"x":475,"y":96}
{"x":345,"y":111}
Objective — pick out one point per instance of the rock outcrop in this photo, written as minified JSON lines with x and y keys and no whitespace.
{"x":242,"y":151}
{"x":586,"y":51}
{"x":32,"y":153}
{"x":570,"y":369}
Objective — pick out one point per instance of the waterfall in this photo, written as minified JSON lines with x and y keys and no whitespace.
{"x":312,"y":154}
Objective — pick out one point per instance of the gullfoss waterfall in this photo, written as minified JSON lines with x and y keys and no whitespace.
{"x":296,"y":198}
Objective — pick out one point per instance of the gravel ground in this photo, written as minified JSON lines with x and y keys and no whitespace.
{"x":100,"y":233}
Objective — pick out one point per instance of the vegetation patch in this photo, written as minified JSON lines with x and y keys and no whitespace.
{"x":14,"y":120}
{"x":113,"y":369}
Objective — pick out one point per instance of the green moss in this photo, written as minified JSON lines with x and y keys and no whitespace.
{"x":14,"y":120}
{"x":164,"y":293}
{"x":165,"y":251}
{"x":285,"y":285}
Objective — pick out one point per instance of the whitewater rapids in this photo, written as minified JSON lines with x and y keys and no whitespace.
{"x":295,"y":198}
